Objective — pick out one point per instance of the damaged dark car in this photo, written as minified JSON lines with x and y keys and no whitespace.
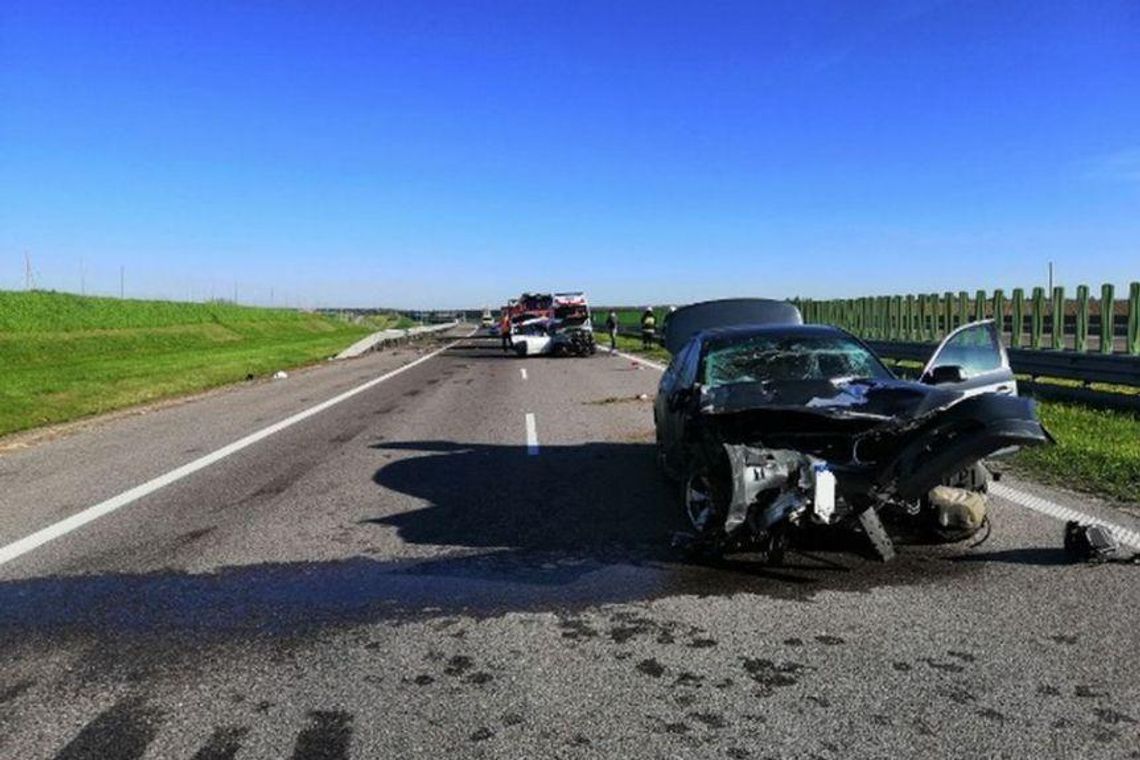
{"x":773,"y":428}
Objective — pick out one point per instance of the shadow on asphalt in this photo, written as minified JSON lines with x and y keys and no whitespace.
{"x":1044,"y":556}
{"x":582,"y":511}
{"x":573,"y":528}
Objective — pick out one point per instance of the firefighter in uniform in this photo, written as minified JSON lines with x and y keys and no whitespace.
{"x":648,"y":328}
{"x":505,"y":331}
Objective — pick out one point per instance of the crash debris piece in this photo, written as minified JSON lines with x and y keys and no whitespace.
{"x":877,"y":534}
{"x":958,"y":509}
{"x":1089,"y":543}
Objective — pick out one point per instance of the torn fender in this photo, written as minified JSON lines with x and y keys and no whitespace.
{"x":958,"y":437}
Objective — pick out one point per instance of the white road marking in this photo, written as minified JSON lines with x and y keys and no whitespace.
{"x":522,"y":370}
{"x":78,"y":520}
{"x":1027,"y":500}
{"x":531,"y":435}
{"x":1046,"y":507}
{"x":639,"y":360}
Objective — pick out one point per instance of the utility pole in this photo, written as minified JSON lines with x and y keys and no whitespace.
{"x":29,"y":281}
{"x":1050,"y":276}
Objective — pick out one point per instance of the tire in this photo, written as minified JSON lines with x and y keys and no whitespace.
{"x":695,"y":495}
{"x":698,"y":489}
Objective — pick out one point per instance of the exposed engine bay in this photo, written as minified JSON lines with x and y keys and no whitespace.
{"x":911,"y":454}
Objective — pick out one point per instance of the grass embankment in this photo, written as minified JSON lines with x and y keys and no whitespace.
{"x":1097,"y":451}
{"x":64,"y":356}
{"x":633,"y":346}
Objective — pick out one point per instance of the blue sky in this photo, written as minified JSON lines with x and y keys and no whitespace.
{"x":424,"y":154}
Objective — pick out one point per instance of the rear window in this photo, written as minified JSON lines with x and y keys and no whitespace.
{"x":774,"y":358}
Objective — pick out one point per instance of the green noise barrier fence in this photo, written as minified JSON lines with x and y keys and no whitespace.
{"x":1041,"y":321}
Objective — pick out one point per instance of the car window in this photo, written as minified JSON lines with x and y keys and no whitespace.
{"x":774,"y":358}
{"x":975,"y":349}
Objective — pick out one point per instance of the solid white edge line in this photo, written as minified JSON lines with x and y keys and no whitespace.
{"x":639,"y":360}
{"x":78,"y":520}
{"x":1063,"y":513}
{"x":522,"y":371}
{"x":531,"y":435}
{"x":1020,"y":498}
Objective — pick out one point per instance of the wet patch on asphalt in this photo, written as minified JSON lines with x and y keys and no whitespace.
{"x":123,"y":731}
{"x":223,"y":744}
{"x":291,"y":598}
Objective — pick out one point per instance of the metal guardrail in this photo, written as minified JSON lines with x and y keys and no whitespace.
{"x":1113,"y":369}
{"x":1036,"y":364}
{"x":388,"y":337}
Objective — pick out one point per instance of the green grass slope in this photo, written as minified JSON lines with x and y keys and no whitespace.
{"x":64,"y":356}
{"x":1097,"y":451}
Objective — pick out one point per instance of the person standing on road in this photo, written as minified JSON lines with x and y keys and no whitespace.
{"x":505,"y":331}
{"x":611,"y":328}
{"x":648,"y":328}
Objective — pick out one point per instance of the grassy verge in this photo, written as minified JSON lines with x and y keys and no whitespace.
{"x":633,"y":346}
{"x":1097,"y":451}
{"x":66,"y":356}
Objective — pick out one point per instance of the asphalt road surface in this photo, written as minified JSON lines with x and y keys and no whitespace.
{"x":471,"y":558}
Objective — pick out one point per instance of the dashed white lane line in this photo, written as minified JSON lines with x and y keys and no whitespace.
{"x":79,"y":519}
{"x":531,"y":435}
{"x":1061,"y":512}
{"x":1021,"y":498}
{"x":522,"y":371}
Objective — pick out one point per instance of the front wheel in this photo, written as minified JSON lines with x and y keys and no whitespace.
{"x":696,"y":498}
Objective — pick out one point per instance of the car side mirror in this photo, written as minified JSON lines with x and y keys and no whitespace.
{"x":946,"y":373}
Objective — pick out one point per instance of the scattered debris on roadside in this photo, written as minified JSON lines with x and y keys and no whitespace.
{"x":280,"y":375}
{"x":1094,"y":544}
{"x":617,"y":400}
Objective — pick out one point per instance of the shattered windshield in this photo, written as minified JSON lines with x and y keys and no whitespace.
{"x":776,"y":358}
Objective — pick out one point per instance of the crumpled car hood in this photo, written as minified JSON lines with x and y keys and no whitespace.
{"x":913,"y":434}
{"x":883,"y":399}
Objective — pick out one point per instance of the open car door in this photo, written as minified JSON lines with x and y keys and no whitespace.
{"x":972,"y":360}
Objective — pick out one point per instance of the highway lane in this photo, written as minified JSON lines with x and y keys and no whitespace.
{"x":399,"y":575}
